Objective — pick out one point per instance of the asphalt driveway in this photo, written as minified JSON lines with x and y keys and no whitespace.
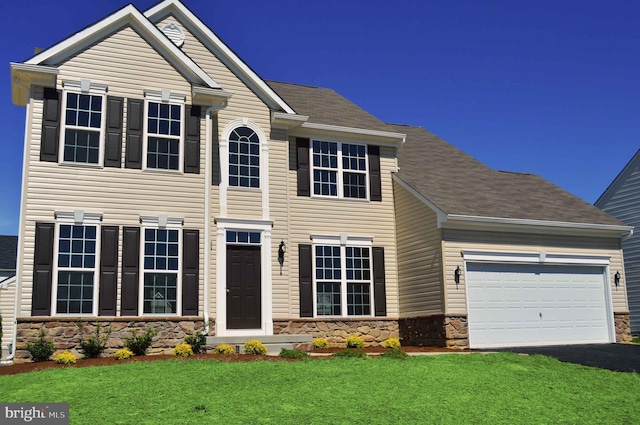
{"x":617,"y":357}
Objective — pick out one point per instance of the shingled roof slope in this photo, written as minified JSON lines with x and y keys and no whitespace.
{"x":8,"y":252}
{"x":459,"y":184}
{"x":453,"y":181}
{"x":325,"y":106}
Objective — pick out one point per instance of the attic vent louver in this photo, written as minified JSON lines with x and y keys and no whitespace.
{"x":174,"y":33}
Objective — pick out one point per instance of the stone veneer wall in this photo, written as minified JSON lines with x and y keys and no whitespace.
{"x":373,"y":331}
{"x":437,"y":330}
{"x":623,"y":327}
{"x":65,"y":334}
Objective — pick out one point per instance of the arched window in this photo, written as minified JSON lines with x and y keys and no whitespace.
{"x":244,"y":158}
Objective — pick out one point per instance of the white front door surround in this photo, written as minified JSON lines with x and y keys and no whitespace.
{"x":516,"y":299}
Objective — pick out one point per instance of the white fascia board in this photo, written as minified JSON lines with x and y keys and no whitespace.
{"x":128,"y":15}
{"x":242,"y":223}
{"x":214,"y":44}
{"x":23,"y":76}
{"x":206,"y":96}
{"x":288,"y":121}
{"x":441,"y":215}
{"x":454,"y":221}
{"x":386,"y":138}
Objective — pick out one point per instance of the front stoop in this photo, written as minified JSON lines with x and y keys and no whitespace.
{"x":274,"y":343}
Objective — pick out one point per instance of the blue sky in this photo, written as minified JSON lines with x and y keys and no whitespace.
{"x":545,"y":87}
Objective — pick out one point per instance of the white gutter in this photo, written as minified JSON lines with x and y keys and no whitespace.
{"x":398,"y":138}
{"x":628,"y":236}
{"x":207,"y":209}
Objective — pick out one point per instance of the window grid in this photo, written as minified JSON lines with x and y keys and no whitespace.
{"x":76,"y":269}
{"x":339,"y":169}
{"x":343,"y":277}
{"x":83,"y":123}
{"x":244,"y":158}
{"x":161,"y":265}
{"x":243,"y":238}
{"x":163,"y":135}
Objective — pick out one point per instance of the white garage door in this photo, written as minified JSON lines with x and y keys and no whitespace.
{"x":521,"y":305}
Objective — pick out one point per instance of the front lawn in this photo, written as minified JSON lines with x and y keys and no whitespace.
{"x":450,"y":389}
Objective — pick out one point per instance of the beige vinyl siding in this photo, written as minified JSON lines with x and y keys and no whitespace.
{"x":455,"y":241}
{"x":7,"y":300}
{"x":245,"y":203}
{"x":128,"y":65}
{"x":325,"y":216}
{"x":419,"y":256}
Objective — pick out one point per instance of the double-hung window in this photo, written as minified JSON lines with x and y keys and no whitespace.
{"x":161,"y":276}
{"x":83,"y":123}
{"x":343,"y":283}
{"x":76,"y":269}
{"x":244,"y":158}
{"x":164,"y":128}
{"x":339,"y":169}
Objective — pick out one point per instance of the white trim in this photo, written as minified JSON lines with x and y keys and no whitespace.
{"x":266,"y":293}
{"x":85,"y":87}
{"x":453,"y":219}
{"x":339,"y":170}
{"x":34,"y":75}
{"x":287,"y":120}
{"x":128,"y":15}
{"x":199,"y":30}
{"x":540,"y":257}
{"x":391,"y":138}
{"x":162,"y":221}
{"x":163,"y":97}
{"x":224,"y":165}
{"x":343,"y":239}
{"x":78,"y":217}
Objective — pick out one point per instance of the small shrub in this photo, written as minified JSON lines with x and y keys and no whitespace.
{"x":224,"y":349}
{"x":123,"y":354}
{"x":66,"y":357}
{"x":392,"y":343}
{"x":255,"y":347}
{"x":351,"y":352}
{"x":320,"y":343}
{"x":636,"y":340}
{"x":394,"y":353}
{"x":355,"y":341}
{"x":293,"y":354}
{"x":139,"y":344}
{"x":197,"y":342}
{"x":93,"y":346}
{"x":183,"y":350}
{"x":40,"y":350}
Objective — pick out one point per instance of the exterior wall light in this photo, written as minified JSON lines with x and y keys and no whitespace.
{"x":456,"y":275}
{"x":282,"y":248}
{"x":616,"y":278}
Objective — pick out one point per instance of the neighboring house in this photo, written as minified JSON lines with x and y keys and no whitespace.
{"x":622,"y":201}
{"x":8,"y":251}
{"x":168,"y":185}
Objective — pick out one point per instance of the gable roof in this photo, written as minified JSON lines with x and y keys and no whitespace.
{"x":207,"y":37}
{"x":633,"y":163}
{"x":8,"y":252}
{"x":126,"y":16}
{"x":458,"y":184}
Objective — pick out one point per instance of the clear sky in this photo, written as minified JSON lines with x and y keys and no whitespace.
{"x":550,"y":87}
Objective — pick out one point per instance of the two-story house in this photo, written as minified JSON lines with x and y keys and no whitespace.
{"x":167,"y":185}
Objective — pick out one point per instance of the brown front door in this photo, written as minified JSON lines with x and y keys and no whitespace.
{"x":243,"y":287}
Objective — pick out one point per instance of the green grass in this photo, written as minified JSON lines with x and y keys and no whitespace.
{"x":446,"y":389}
{"x":636,"y":340}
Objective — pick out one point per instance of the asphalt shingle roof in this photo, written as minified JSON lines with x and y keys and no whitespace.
{"x":8,"y":252}
{"x":449,"y":178}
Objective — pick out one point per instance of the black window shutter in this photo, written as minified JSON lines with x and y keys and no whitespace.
{"x":192,"y":140}
{"x":306,"y":281}
{"x":375,"y":184}
{"x":50,"y":139}
{"x":108,"y":271}
{"x":135,"y":117}
{"x":42,"y":270}
{"x":215,"y":152}
{"x":113,"y":137}
{"x":379,"y":289}
{"x":130,"y":271}
{"x":190,"y":271}
{"x":302,"y":146}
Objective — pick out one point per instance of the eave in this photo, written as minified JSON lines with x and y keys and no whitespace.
{"x":23,"y":76}
{"x":387,"y":138}
{"x":209,"y":97}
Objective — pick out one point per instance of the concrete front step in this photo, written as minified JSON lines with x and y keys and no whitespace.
{"x":274,"y":343}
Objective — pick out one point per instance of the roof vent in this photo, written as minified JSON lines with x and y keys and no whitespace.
{"x":174,"y":33}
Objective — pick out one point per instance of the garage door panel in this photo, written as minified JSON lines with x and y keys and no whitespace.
{"x":512,"y":305}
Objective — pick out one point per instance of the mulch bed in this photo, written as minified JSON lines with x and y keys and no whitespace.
{"x":108,"y":361}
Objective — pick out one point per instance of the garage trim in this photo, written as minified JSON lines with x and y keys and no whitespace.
{"x":543,"y":258}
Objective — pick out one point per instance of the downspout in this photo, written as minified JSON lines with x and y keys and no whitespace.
{"x":627,"y":236}
{"x":20,"y":257}
{"x":207,"y":209}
